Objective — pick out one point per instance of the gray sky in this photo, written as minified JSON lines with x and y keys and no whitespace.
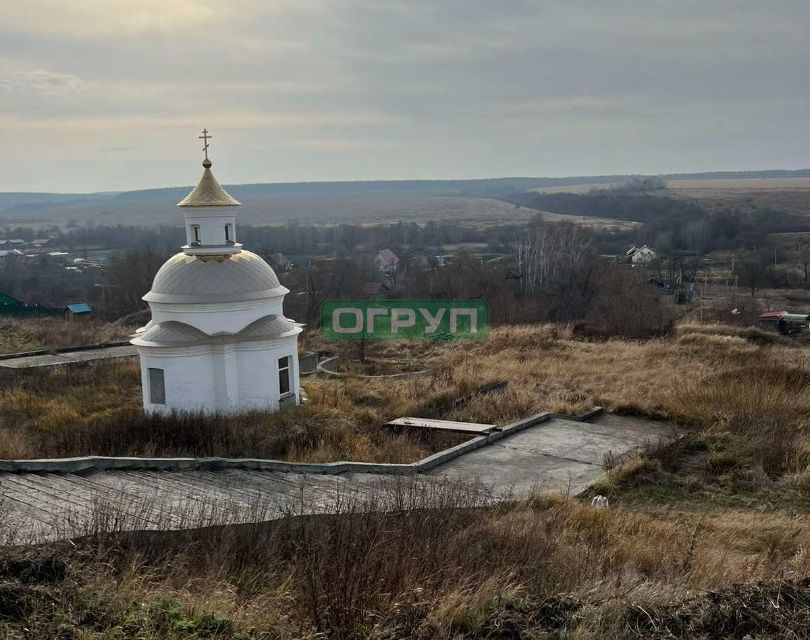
{"x":111,"y":94}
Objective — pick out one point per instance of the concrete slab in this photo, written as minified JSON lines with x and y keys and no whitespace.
{"x":517,"y":472}
{"x":555,"y":455}
{"x":68,"y":357}
{"x":579,"y":441}
{"x":558,"y":455}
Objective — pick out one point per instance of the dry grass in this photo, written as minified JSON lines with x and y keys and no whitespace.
{"x":669,"y":559}
{"x":749,"y":397}
{"x":30,"y":334}
{"x":743,"y":389}
{"x":420,"y":560}
{"x":96,"y":410}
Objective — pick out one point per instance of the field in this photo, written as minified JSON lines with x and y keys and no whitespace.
{"x":789,"y":194}
{"x":704,"y":538}
{"x":281,"y":208}
{"x":590,"y":222}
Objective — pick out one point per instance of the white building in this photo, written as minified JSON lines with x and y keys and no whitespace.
{"x":641,"y":255}
{"x":218,"y":341}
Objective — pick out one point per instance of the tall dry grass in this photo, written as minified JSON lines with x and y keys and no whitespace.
{"x":29,"y":334}
{"x":96,"y":410}
{"x":426,"y":559}
{"x":746,"y":394}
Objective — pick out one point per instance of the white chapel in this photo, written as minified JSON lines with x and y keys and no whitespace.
{"x":218,"y":341}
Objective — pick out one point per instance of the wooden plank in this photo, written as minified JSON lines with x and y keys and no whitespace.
{"x":304,"y":492}
{"x":60,"y":494}
{"x":224,"y":483}
{"x":443,"y":425}
{"x":21,"y":504}
{"x":44,"y":493}
{"x":19,"y":529}
{"x":207,"y":503}
{"x":267,"y":483}
{"x":87,"y":483}
{"x":165,"y":483}
{"x":58,"y":483}
{"x":134,"y":505}
{"x":160,"y":505}
{"x":238,"y":501}
{"x":196,"y":488}
{"x":101,"y":497}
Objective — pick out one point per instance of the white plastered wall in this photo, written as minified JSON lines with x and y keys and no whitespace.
{"x":188,"y":379}
{"x":258,"y":373}
{"x":221,"y":378}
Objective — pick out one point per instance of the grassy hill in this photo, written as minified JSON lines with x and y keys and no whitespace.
{"x":704,"y":538}
{"x":365,"y":201}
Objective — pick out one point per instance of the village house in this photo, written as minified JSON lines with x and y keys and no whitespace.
{"x":280,"y":262}
{"x":640,"y":255}
{"x":387,"y":261}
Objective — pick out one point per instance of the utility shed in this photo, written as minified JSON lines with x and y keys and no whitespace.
{"x":77,"y":310}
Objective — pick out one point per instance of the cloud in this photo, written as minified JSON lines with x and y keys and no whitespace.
{"x":15,"y":78}
{"x":108,"y":18}
{"x":52,"y":84}
{"x":320,"y":89}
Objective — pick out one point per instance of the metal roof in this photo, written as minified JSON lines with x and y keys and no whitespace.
{"x":178,"y":334}
{"x":243,"y":276}
{"x":169,"y":334}
{"x":269,"y":327}
{"x":79,"y":307}
{"x":208,"y":192}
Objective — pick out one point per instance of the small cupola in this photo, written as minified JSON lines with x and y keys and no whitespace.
{"x":209,"y":213}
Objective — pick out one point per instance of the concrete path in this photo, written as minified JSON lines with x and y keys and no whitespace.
{"x":56,"y":358}
{"x":557,"y":455}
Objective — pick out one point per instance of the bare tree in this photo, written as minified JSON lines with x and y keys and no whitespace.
{"x":555,"y":263}
{"x":127,"y":278}
{"x":752,"y":266}
{"x":804,"y":256}
{"x":553,"y":256}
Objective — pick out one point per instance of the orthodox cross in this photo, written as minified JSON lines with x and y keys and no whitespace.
{"x":206,"y":138}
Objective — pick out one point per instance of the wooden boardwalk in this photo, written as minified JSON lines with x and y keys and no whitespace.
{"x":557,"y":455}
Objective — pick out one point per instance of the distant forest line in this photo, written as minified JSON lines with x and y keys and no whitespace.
{"x":670,"y":224}
{"x":11,"y":202}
